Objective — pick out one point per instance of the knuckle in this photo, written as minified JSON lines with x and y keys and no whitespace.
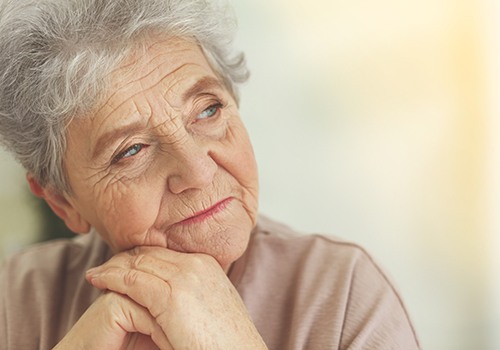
{"x":130,"y":277}
{"x":138,"y":260}
{"x":199,"y":261}
{"x":134,"y":251}
{"x":202,"y":262}
{"x":116,"y":307}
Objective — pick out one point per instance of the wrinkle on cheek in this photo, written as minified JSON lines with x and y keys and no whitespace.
{"x":236,"y":134}
{"x":97,"y":175}
{"x":186,"y":204}
{"x":251,"y":211}
{"x":112,"y":195}
{"x":102,"y":183}
{"x":191,"y":208}
{"x":107,"y":191}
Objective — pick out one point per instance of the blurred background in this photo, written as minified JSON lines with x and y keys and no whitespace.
{"x":374,"y":121}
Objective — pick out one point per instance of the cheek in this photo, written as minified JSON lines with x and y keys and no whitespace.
{"x":235,"y":154}
{"x":126,"y":212}
{"x":244,"y":158}
{"x":244,"y":168}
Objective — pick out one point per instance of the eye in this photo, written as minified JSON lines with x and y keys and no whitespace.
{"x":210,"y":111}
{"x":129,"y":152}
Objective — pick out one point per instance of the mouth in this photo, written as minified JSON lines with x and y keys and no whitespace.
{"x":207,"y":213}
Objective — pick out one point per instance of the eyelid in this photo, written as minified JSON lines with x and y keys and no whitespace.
{"x":121,"y":155}
{"x":214,"y":102}
{"x":218,"y":106}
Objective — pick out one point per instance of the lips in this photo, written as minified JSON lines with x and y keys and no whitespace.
{"x":207,"y":213}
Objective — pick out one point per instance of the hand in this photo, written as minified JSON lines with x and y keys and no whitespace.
{"x":112,"y":322}
{"x":183,"y":301}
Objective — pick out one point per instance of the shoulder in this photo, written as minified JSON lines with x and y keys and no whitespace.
{"x":276,"y":241}
{"x":331,"y":288}
{"x":49,"y":266}
{"x":53,"y":258}
{"x":47,"y":282}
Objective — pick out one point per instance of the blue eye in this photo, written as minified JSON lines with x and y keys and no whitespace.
{"x":129,"y":152}
{"x":210,"y":111}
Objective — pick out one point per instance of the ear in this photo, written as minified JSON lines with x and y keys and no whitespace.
{"x":60,"y":206}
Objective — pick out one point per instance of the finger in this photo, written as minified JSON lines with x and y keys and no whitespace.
{"x":172,"y":256}
{"x":145,"y":289}
{"x":162,"y":269}
{"x":134,"y":318}
{"x":146,"y":257}
{"x":159,"y":262}
{"x":141,"y":341}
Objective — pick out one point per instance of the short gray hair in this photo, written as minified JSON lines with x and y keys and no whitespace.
{"x":56,"y":54}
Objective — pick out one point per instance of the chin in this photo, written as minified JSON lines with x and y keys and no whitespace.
{"x":225,"y":242}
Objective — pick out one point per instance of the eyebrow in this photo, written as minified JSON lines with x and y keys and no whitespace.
{"x":108,"y":137}
{"x":203,"y":84}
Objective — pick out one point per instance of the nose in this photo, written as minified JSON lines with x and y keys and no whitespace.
{"x":193,"y":168}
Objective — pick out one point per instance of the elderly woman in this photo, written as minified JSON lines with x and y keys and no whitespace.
{"x":125,"y":115}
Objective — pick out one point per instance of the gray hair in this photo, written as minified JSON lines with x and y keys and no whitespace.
{"x":55,"y":56}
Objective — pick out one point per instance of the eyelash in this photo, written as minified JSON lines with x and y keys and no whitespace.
{"x":123,"y":154}
{"x":217,"y":106}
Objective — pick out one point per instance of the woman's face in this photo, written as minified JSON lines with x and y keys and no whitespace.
{"x":165,"y":160}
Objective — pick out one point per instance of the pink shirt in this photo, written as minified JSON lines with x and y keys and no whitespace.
{"x":302,"y":292}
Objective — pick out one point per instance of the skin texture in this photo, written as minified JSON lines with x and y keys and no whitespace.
{"x":165,"y":172}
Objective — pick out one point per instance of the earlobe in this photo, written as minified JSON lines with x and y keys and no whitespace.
{"x":60,"y":206}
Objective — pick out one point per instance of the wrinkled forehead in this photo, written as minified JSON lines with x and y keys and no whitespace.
{"x":162,"y":76}
{"x":149,"y":88}
{"x":169,"y":64}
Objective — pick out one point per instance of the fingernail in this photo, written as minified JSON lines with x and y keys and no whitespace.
{"x":91,"y":271}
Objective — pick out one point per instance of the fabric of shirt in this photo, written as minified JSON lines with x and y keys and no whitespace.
{"x":302,"y":292}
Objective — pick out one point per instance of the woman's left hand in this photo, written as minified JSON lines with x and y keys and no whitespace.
{"x":189,"y":295}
